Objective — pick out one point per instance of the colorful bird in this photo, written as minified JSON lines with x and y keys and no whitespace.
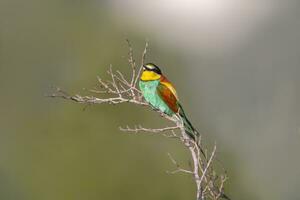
{"x":160,"y":93}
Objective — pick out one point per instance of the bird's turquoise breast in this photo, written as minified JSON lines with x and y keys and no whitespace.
{"x":149,"y":90}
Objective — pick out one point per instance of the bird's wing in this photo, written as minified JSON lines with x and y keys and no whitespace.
{"x":168,"y":94}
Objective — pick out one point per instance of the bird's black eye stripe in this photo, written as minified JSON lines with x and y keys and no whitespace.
{"x":156,"y":70}
{"x":153,"y":68}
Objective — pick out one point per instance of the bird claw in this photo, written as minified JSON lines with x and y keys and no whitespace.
{"x":140,"y":97}
{"x":186,"y":142}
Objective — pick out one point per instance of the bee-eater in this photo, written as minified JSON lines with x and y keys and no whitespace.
{"x":160,"y":93}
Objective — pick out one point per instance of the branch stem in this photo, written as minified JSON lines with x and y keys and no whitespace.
{"x":122,"y":90}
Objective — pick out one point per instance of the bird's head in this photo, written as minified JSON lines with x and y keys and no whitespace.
{"x":150,"y":72}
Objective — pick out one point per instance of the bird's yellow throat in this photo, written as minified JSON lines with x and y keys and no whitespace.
{"x":149,"y":76}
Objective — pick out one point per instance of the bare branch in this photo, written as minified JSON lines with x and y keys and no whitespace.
{"x":178,"y":168}
{"x":132,"y":63}
{"x":139,"y":128}
{"x":142,"y":63}
{"x":114,"y":81}
{"x":209,"y":183}
{"x":208,"y":164}
{"x":93,"y":100}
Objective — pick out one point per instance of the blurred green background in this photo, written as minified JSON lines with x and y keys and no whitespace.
{"x":236,"y":68}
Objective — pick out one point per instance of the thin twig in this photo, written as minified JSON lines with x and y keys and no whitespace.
{"x":139,"y":128}
{"x":142,"y":63}
{"x":208,"y":164}
{"x":178,"y":168}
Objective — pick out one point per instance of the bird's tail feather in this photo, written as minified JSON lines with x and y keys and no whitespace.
{"x":190,"y":130}
{"x":194,"y":134}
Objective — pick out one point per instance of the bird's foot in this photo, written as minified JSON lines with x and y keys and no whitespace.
{"x":187,"y":142}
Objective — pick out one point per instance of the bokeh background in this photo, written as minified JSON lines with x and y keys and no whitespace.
{"x":235,"y":64}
